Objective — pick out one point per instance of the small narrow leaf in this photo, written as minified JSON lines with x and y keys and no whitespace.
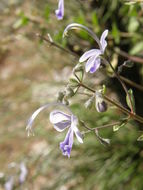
{"x":21,"y":22}
{"x":73,"y":82}
{"x":79,"y":71}
{"x":102,"y":140}
{"x":137,"y":48}
{"x":104,"y":89}
{"x":128,"y":64}
{"x":132,"y":100}
{"x":117,"y":127}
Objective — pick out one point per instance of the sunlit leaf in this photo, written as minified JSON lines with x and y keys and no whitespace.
{"x":133,"y":24}
{"x":21,"y":22}
{"x":115,"y":33}
{"x":117,"y":127}
{"x":140,"y":138}
{"x":137,"y":48}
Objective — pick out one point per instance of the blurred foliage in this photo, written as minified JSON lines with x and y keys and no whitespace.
{"x":91,"y":166}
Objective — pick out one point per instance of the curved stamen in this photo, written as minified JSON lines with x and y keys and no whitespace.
{"x":35,"y":114}
{"x":80,"y":26}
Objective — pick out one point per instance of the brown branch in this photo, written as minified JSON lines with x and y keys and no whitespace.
{"x":130,"y":57}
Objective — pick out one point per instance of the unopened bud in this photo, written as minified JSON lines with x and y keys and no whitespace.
{"x":65,"y":101}
{"x":101,"y":105}
{"x":88,"y":104}
{"x":79,"y":71}
{"x":69,"y":92}
{"x":61,"y":95}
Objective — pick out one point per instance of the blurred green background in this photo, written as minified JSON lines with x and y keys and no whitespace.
{"x":32,"y":73}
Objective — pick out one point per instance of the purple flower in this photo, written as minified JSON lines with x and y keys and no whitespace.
{"x":9,"y":184}
{"x":61,"y":121}
{"x":92,"y":56}
{"x":101,"y":105}
{"x":23,"y":173}
{"x":60,"y":11}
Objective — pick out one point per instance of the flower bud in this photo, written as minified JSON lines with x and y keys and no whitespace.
{"x":78,"y":71}
{"x":88,"y":104}
{"x":69,"y":92}
{"x":60,"y":96}
{"x":101,"y":105}
{"x":65,"y":101}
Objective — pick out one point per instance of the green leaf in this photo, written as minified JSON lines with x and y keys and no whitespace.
{"x":117,"y":127}
{"x":95,"y":22}
{"x":115,"y":33}
{"x":103,"y":89}
{"x":80,"y":18}
{"x":130,"y":91}
{"x":137,"y":48}
{"x":102,"y":140}
{"x":95,"y":19}
{"x":73,"y":82}
{"x":133,"y":24}
{"x":140,"y":138}
{"x":21,"y":22}
{"x":128,"y":64}
{"x":47,"y":13}
{"x":78,"y":71}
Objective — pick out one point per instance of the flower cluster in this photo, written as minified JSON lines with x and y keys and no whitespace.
{"x":93,"y":56}
{"x":62,"y":121}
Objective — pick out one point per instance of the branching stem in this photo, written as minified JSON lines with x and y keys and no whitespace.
{"x":120,"y":107}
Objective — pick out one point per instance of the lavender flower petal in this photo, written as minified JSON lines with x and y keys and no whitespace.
{"x":74,"y":122}
{"x":23,"y":173}
{"x":9,"y":184}
{"x":103,"y":41}
{"x":66,"y":145}
{"x":60,"y":120}
{"x":91,"y":61}
{"x":57,"y":116}
{"x":96,"y":65}
{"x":62,"y":125}
{"x":89,"y":54}
{"x":60,"y":11}
{"x":78,"y":135}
